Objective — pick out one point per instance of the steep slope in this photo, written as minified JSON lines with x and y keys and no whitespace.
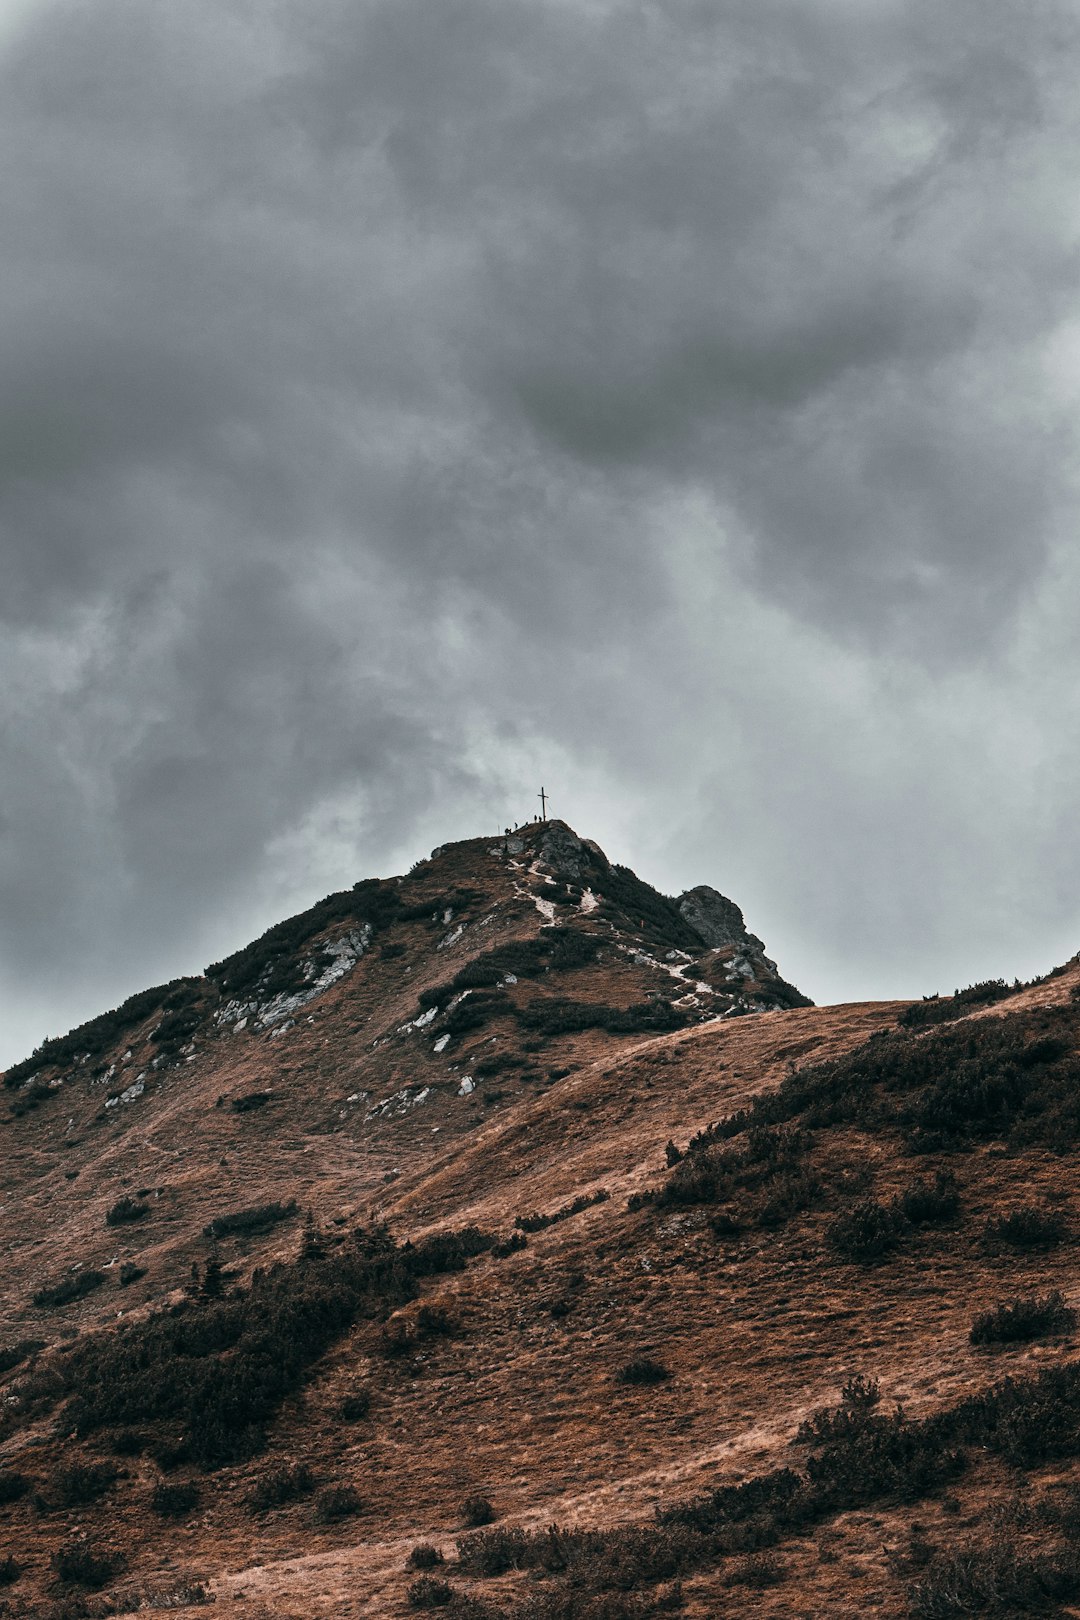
{"x":635,"y":1243}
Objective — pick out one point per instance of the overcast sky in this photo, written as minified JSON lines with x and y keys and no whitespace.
{"x":407,"y":402}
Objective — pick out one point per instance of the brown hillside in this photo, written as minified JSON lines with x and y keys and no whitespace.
{"x":609,"y":1371}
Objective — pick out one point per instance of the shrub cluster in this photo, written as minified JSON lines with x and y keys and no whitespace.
{"x":249,"y":1102}
{"x":173,"y":1501}
{"x":869,"y":1230}
{"x":1020,"y":1320}
{"x":1027,"y":1227}
{"x":13,"y":1355}
{"x":125,"y":1210}
{"x":79,"y":1564}
{"x":69,"y":1289}
{"x":91,"y":1039}
{"x":538,"y":1223}
{"x":990,"y":1578}
{"x":551,"y":1016}
{"x":211,"y":1373}
{"x":762,"y":1180}
{"x":82,"y":1483}
{"x":259,"y":1218}
{"x":642,"y":1370}
{"x":337,"y":1502}
{"x":943,"y":1009}
{"x":1015,"y":1076}
{"x":286,"y":1483}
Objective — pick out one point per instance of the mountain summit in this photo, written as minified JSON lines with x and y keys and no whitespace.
{"x":511,"y":1239}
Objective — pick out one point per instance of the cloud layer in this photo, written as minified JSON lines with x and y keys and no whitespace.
{"x":400,"y":403}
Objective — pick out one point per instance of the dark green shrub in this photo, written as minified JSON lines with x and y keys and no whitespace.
{"x":13,"y":1485}
{"x":642,"y":1370}
{"x":930,"y":1203}
{"x":71,"y":1288}
{"x":82,"y":1483}
{"x":249,"y":1102}
{"x":355,"y":1406}
{"x":537,"y":1223}
{"x":128,"y":1443}
{"x":78,"y":1564}
{"x":287,"y":1483}
{"x":516,"y":1241}
{"x":867,"y":1231}
{"x":477,"y":1511}
{"x":13,"y":1355}
{"x":424,"y":1556}
{"x":259,"y":1218}
{"x":130,"y":1273}
{"x":99,"y":1034}
{"x":337,"y":1502}
{"x":126,"y":1209}
{"x":1027,"y":1227}
{"x":940,"y":1010}
{"x":174,"y":1501}
{"x":428,"y":1593}
{"x":1020,"y":1320}
{"x":9,"y":1571}
{"x":995,"y":1580}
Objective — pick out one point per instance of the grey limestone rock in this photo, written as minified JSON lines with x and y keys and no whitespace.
{"x":712,"y":915}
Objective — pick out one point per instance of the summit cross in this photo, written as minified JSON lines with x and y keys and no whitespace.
{"x":542,"y":796}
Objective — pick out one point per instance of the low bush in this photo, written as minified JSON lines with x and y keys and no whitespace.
{"x":424,"y":1556}
{"x":259,"y":1218}
{"x":13,"y":1355}
{"x":130,"y":1273}
{"x":249,"y":1102}
{"x":930,"y":1203}
{"x":82,"y":1483}
{"x":477,"y":1511}
{"x":337,"y":1502}
{"x":77,"y":1286}
{"x":287,"y":1483}
{"x":429,"y":1593}
{"x":174,"y":1501}
{"x":355,"y":1406}
{"x":942,"y":1009}
{"x":1027,"y":1227}
{"x":995,"y":1580}
{"x":78,"y":1564}
{"x":537,"y":1223}
{"x":515,"y":1242}
{"x":126,"y":1209}
{"x":867,"y":1231}
{"x":128,"y":1443}
{"x":1020,"y":1320}
{"x":9,"y":1571}
{"x":642,"y":1370}
{"x":13,"y":1485}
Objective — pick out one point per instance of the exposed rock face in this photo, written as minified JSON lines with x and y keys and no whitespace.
{"x":716,"y":918}
{"x":564,"y":854}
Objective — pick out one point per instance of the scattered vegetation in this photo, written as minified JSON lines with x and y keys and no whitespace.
{"x":126,"y":1210}
{"x":992,"y":1579}
{"x":91,"y":1039}
{"x":1020,"y":1320}
{"x":558,"y":1016}
{"x":209,"y":1374}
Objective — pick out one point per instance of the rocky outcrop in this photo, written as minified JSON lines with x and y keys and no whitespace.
{"x":717,"y":919}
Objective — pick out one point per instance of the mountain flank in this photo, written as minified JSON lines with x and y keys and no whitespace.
{"x":512,"y":1240}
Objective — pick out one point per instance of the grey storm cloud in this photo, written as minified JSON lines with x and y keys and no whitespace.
{"x":397,"y":400}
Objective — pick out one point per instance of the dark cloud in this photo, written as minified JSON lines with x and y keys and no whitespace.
{"x":397,"y":401}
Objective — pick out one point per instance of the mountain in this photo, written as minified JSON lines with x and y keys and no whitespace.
{"x":511,"y":1239}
